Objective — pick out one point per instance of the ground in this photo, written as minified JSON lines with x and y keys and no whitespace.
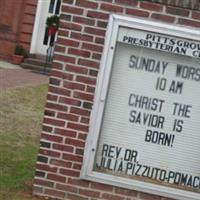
{"x":22,"y":100}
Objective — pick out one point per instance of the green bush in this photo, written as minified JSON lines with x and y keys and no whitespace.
{"x":19,"y":50}
{"x":53,"y":21}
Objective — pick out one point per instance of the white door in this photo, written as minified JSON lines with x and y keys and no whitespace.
{"x":40,"y":39}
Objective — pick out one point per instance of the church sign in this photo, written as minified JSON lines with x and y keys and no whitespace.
{"x":145,"y":124}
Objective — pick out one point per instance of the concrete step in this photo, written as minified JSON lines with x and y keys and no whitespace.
{"x":36,"y":65}
{"x":35,"y":61}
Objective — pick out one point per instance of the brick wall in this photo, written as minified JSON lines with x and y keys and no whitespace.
{"x":16,"y":25}
{"x":191,"y":4}
{"x":28,"y":20}
{"x":71,"y":91}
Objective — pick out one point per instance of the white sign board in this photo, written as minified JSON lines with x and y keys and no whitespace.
{"x":145,"y":124}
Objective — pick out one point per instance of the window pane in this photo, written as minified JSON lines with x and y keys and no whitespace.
{"x":51,"y":6}
{"x":58,"y":7}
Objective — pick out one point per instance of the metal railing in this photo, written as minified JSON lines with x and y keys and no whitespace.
{"x":49,"y":57}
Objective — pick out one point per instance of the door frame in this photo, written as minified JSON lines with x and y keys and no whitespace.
{"x":36,"y":28}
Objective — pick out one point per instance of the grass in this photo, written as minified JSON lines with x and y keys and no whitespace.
{"x":21,"y":113}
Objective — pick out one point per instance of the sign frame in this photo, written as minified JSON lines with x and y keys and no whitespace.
{"x":87,"y":172}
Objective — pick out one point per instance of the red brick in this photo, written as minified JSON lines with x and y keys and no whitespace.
{"x":80,"y":36}
{"x":80,"y":183}
{"x":67,"y":42}
{"x":27,"y":28}
{"x":29,"y":9}
{"x":80,"y":111}
{"x":70,"y":26}
{"x":25,"y":37}
{"x":61,"y":74}
{"x":67,"y":188}
{"x":92,"y":47}
{"x":145,"y":196}
{"x":64,"y":33}
{"x":102,"y":24}
{"x":97,"y":14}
{"x":75,"y":142}
{"x":49,"y":113}
{"x":177,"y":11}
{"x":188,"y":22}
{"x":49,"y":153}
{"x":59,"y":49}
{"x":71,"y":173}
{"x":61,"y":163}
{"x":29,"y":19}
{"x":137,"y":12}
{"x":54,"y":193}
{"x":196,"y":15}
{"x":83,"y":20}
{"x":99,"y":186}
{"x":32,"y":2}
{"x":111,"y":7}
{"x":79,"y":52}
{"x":86,"y":4}
{"x":77,"y":127}
{"x":77,"y":166}
{"x":52,"y":138}
{"x":99,"y":40}
{"x":85,"y":120}
{"x":64,"y":132}
{"x":71,"y":9}
{"x":164,"y":18}
{"x":67,"y":59}
{"x":112,"y":197}
{"x":55,"y":177}
{"x":47,"y":168}
{"x":89,"y":193}
{"x":51,"y":97}
{"x":151,"y":6}
{"x":86,"y":80}
{"x":54,"y":81}
{"x":83,"y":96}
{"x":57,"y":90}
{"x":76,"y":197}
{"x":126,"y":192}
{"x":96,"y":56}
{"x":56,"y":65}
{"x":54,"y":122}
{"x":80,"y":151}
{"x":56,"y":106}
{"x":74,"y":86}
{"x":95,"y":31}
{"x":43,"y":182}
{"x":74,"y":158}
{"x":88,"y":63}
{"x":69,"y":117}
{"x":82,"y":136}
{"x":69,"y":101}
{"x":46,"y":128}
{"x":76,"y":69}
{"x":68,"y":1}
{"x":127,"y":2}
{"x":90,"y":89}
{"x":63,"y":148}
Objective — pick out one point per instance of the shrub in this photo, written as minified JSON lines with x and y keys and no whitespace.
{"x":19,"y":50}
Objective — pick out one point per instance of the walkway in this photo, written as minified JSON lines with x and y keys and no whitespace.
{"x":12,"y":76}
